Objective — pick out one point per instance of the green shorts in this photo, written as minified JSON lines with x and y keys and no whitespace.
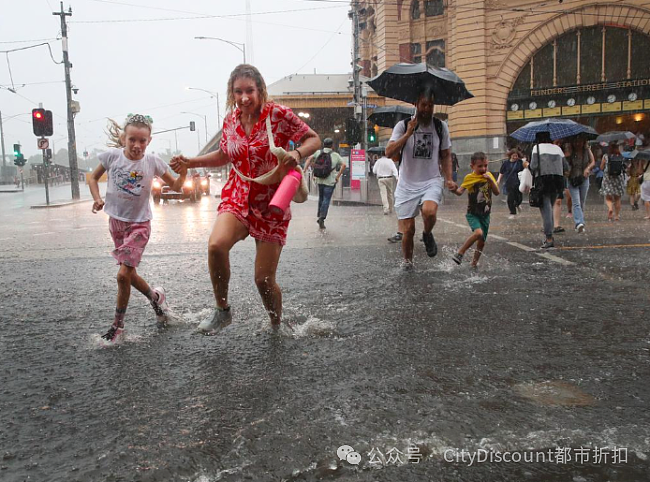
{"x":479,"y":222}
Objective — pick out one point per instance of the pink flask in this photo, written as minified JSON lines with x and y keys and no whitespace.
{"x":283,"y":196}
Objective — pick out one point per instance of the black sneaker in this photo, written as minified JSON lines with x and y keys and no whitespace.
{"x":430,"y":244}
{"x":458,"y":258}
{"x":548,"y":244}
{"x":321,"y":223}
{"x":395,"y":238}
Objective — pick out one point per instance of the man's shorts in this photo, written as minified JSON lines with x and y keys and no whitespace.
{"x":408,"y":201}
{"x":479,"y":222}
{"x":130,"y":239}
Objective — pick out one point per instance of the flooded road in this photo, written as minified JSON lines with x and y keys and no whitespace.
{"x":417,"y":372}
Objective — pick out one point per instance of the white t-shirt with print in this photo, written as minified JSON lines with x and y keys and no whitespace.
{"x":128,"y":194}
{"x":420,"y":163}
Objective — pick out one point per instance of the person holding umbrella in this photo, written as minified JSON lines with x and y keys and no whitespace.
{"x":424,"y":146}
{"x":548,"y":164}
{"x":420,"y":144}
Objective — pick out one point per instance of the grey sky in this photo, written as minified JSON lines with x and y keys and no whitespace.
{"x":125,"y":59}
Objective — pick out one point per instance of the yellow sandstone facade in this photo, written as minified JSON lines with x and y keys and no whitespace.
{"x":522,"y":60}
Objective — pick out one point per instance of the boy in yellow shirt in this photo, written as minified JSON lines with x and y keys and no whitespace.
{"x":480,"y":185}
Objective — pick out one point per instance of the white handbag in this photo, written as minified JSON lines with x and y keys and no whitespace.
{"x":274,"y":176}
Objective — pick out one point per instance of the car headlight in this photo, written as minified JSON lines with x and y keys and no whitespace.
{"x":204,"y":182}
{"x":188,"y":184}
{"x":157,"y":185}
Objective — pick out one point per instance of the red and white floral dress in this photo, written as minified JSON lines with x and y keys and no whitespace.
{"x":249,"y":201}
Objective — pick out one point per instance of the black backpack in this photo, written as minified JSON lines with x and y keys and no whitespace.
{"x":323,"y":165}
{"x":437,"y":123}
{"x":615,"y":165}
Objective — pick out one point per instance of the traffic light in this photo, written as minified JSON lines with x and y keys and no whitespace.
{"x":42,"y":122}
{"x":192,"y":126}
{"x":19,"y":157}
{"x":372,"y":137}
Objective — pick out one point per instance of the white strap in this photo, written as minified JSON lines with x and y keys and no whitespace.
{"x":278,"y":152}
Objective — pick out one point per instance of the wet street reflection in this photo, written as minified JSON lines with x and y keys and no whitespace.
{"x":425,"y":375}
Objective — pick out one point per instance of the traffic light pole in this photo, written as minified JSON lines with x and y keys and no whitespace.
{"x":2,"y":140}
{"x":45,"y":176}
{"x":72,"y":140}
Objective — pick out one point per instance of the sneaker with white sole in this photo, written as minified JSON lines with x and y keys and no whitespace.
{"x":580,"y":228}
{"x":113,"y":336}
{"x":457,"y":258}
{"x":161,"y":307}
{"x":218,"y":321}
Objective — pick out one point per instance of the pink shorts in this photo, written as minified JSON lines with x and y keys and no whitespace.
{"x":130,"y":240}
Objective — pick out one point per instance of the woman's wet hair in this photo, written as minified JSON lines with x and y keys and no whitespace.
{"x":245,"y":71}
{"x":478,"y":156}
{"x":116,"y":132}
{"x":512,"y":152}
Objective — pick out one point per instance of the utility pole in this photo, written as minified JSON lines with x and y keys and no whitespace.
{"x":2,"y":140}
{"x":72,"y":140}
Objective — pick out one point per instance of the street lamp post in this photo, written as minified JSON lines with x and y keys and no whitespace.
{"x":214,"y":95}
{"x":237,"y":45}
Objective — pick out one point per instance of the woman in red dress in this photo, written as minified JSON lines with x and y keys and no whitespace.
{"x":244,"y":205}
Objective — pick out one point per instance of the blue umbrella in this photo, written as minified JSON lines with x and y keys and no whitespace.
{"x":558,"y":128}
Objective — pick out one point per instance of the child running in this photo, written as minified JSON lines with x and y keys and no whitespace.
{"x":130,"y":176}
{"x":480,"y":185}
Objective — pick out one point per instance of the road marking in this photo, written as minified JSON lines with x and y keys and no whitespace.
{"x":43,"y":234}
{"x":550,"y":257}
{"x":5,"y":239}
{"x":556,"y":259}
{"x":520,"y":246}
{"x":607,"y":246}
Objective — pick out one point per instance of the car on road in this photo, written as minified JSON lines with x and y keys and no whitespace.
{"x":193,"y":188}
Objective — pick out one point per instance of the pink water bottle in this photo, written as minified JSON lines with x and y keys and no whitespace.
{"x":283,"y":196}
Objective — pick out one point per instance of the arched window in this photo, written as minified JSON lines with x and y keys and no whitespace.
{"x":588,"y":56}
{"x":433,"y":8}
{"x":436,"y":53}
{"x":415,"y":9}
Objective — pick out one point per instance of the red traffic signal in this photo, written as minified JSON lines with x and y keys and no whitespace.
{"x":42,"y":122}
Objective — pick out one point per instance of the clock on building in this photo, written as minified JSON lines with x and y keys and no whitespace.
{"x":514,"y":107}
{"x":571,"y":102}
{"x":551,"y":104}
{"x":532,"y":105}
{"x":591,"y":99}
{"x":632,"y":97}
{"x":611,"y":98}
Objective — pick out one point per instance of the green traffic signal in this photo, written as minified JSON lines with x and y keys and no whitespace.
{"x":372,"y":136}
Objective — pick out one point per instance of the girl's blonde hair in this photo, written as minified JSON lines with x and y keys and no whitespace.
{"x":116,"y":132}
{"x":247,"y":72}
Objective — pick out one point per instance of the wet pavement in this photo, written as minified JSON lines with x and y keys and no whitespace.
{"x":540,"y":358}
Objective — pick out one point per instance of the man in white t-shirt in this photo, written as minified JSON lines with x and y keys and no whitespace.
{"x":387,"y":174}
{"x":424,"y":147}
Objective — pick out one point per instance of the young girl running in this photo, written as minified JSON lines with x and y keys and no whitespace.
{"x":130,"y":176}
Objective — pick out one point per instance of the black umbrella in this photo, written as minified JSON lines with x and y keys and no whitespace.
{"x":405,"y":82}
{"x":615,"y":136}
{"x":377,"y":150}
{"x":391,"y":115}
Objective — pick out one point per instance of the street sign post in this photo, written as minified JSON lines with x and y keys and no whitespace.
{"x":43,"y":143}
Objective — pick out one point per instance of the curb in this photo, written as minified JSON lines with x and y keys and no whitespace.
{"x":59,"y":204}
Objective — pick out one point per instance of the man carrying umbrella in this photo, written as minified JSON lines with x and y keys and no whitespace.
{"x":423,"y":152}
